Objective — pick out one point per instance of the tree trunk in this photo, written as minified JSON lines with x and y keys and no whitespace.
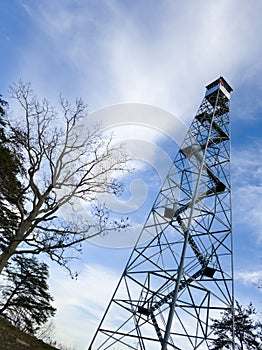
{"x":21,"y":234}
{"x":241,"y":338}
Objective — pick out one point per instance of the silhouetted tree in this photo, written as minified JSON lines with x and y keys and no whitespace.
{"x":247,"y":332}
{"x":25,"y":298}
{"x":10,"y":186}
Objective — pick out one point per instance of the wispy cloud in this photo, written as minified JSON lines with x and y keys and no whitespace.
{"x":249,"y":277}
{"x":158,"y":55}
{"x":81,"y":303}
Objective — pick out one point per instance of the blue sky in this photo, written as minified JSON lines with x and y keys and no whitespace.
{"x":162,"y":53}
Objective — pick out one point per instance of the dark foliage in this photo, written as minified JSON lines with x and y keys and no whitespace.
{"x":25,"y":298}
{"x":10,"y":186}
{"x":247,"y":332}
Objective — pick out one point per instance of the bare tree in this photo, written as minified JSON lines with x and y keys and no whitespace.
{"x":46,"y":332}
{"x":64,"y":161}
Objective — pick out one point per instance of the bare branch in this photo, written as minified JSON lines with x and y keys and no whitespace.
{"x":65,"y":160}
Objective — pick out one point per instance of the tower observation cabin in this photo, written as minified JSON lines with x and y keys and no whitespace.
{"x":218,"y":84}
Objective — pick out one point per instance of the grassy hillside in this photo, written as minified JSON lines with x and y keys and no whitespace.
{"x":12,"y":338}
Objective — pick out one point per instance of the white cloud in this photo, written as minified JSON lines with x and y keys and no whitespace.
{"x":158,"y":55}
{"x":249,"y":277}
{"x":81,"y":303}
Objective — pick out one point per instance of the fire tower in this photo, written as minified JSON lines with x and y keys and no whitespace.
{"x":182,"y":277}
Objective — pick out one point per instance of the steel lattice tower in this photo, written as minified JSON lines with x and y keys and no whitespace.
{"x":182,"y":277}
